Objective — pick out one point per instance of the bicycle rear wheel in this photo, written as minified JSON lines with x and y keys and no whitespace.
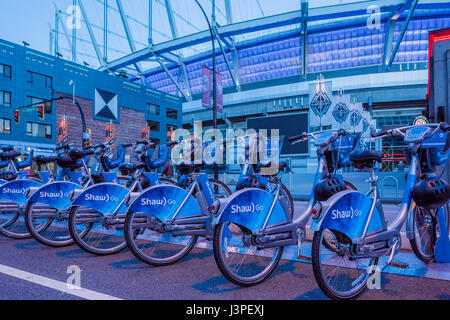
{"x":337,"y":275}
{"x":426,"y":232}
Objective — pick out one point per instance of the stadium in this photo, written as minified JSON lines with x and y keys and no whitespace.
{"x":115,"y":86}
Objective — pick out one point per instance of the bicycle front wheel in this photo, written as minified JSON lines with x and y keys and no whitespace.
{"x":47,"y":225}
{"x":12,"y":223}
{"x":97,"y":233}
{"x":426,"y":232}
{"x":337,"y":275}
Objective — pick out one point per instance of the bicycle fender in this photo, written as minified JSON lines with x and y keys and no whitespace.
{"x":2,"y":181}
{"x":55,"y":194}
{"x":250,"y":208}
{"x":409,"y":224}
{"x":163,"y":201}
{"x":103,"y":198}
{"x":16,"y":191}
{"x":347,"y":212}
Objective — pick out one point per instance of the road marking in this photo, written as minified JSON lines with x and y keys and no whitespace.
{"x":54,"y":284}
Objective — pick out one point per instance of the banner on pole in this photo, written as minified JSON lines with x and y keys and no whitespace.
{"x":110,"y":133}
{"x":206,"y":80}
{"x":219,"y":92}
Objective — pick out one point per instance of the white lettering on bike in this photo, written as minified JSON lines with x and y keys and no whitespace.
{"x":105,"y":197}
{"x":14,"y":191}
{"x":157,"y":202}
{"x":250,"y":208}
{"x":45,"y":194}
{"x":350,"y":213}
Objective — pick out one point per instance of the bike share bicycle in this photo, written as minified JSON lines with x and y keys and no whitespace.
{"x":101,"y":208}
{"x":358,"y":224}
{"x":46,"y":214}
{"x":13,"y":189}
{"x":253,"y":228}
{"x":164,"y":222}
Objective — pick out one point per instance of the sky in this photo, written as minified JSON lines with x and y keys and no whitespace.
{"x":31,"y":20}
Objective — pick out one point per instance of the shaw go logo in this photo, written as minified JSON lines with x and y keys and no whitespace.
{"x":350,"y":213}
{"x":251,"y":208}
{"x":157,"y":202}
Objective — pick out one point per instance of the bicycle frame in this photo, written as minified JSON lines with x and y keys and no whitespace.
{"x":179,"y":211}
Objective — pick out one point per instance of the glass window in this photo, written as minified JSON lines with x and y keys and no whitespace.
{"x":5,"y":70}
{"x":48,"y":82}
{"x":171,"y":113}
{"x":39,"y":130}
{"x":153,"y":109}
{"x":39,"y":80}
{"x":5,"y":126}
{"x":154,"y":125}
{"x":5,"y":98}
{"x":47,"y":106}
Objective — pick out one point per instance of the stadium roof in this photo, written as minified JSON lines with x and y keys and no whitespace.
{"x":179,"y":34}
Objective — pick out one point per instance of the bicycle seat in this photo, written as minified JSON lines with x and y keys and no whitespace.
{"x":129,"y":168}
{"x":282,"y":165}
{"x":8,"y":176}
{"x":6,"y":147}
{"x":10,"y":155}
{"x":42,"y":160}
{"x":365,"y":158}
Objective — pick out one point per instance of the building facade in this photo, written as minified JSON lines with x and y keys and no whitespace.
{"x":28,"y":76}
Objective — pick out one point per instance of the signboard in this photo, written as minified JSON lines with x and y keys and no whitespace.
{"x":110,"y":133}
{"x":145,"y":133}
{"x":63,"y":135}
{"x":106,"y":105}
{"x":288,"y":126}
{"x":206,"y":80}
{"x":419,"y":120}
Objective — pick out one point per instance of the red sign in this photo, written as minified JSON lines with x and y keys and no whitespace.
{"x":206,"y":81}
{"x":219,"y":92}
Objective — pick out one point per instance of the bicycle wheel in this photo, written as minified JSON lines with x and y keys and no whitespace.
{"x":48,"y":225}
{"x":97,"y":233}
{"x":329,"y":239}
{"x":12,"y":223}
{"x":237,"y":255}
{"x":337,"y":275}
{"x":150,"y":243}
{"x":426,"y":232}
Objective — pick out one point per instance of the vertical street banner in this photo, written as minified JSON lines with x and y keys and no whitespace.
{"x":219,"y":92}
{"x":145,"y":132}
{"x":62,"y":132}
{"x":206,"y":80}
{"x":110,"y":133}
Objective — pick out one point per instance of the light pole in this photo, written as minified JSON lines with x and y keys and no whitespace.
{"x":214,"y":106}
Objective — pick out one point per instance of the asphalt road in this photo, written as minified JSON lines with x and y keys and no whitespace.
{"x":196,"y":277}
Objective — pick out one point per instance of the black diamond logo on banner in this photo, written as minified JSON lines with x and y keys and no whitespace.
{"x":341,"y":112}
{"x":320,"y":104}
{"x":106,"y":104}
{"x":355,"y":118}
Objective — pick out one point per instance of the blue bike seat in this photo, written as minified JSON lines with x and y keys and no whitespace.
{"x":6,"y":147}
{"x":42,"y":160}
{"x":129,"y":168}
{"x":366,"y":156}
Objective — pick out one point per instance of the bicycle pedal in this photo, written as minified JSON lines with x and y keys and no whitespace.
{"x":304,"y":258}
{"x":398,"y":264}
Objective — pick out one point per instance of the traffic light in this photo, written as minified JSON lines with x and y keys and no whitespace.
{"x":17,"y":116}
{"x":40,"y":109}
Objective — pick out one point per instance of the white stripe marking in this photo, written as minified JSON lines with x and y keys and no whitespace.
{"x":54,"y":284}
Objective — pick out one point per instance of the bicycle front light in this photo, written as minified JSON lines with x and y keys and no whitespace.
{"x":317,"y":210}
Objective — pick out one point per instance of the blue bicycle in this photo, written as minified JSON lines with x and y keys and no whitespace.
{"x":255,"y":225}
{"x":101,"y":208}
{"x":14,"y":185}
{"x":358,"y":223}
{"x":164,"y":222}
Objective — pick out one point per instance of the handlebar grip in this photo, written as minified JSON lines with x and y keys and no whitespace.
{"x":142,"y":142}
{"x":379,"y":134}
